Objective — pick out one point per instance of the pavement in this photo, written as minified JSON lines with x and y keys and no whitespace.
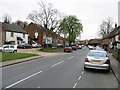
{"x":115,"y":66}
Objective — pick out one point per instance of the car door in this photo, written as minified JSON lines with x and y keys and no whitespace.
{"x":11,"y":48}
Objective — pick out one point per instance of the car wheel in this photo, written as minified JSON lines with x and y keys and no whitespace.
{"x":15,"y":51}
{"x":108,"y":70}
{"x":85,"y":68}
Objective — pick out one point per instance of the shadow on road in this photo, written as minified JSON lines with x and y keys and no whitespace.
{"x":97,"y":71}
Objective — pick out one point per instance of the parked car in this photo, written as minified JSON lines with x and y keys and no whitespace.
{"x":97,"y":60}
{"x":79,"y":46}
{"x":67,"y":49}
{"x":90,"y":47}
{"x":24,"y":46}
{"x":35,"y":45}
{"x":9,"y":48}
{"x":74,"y":47}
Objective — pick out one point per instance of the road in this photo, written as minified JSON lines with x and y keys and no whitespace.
{"x":63,"y":71}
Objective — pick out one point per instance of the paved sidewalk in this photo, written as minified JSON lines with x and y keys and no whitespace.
{"x":115,"y":66}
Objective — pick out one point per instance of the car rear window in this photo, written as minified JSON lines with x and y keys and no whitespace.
{"x":99,"y":54}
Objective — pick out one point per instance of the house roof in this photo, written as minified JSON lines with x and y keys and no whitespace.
{"x":13,"y":28}
{"x":92,"y":41}
{"x":40,"y":27}
{"x":115,"y":32}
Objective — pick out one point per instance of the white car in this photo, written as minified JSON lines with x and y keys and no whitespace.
{"x":97,"y":60}
{"x":9,"y":48}
{"x":90,"y":47}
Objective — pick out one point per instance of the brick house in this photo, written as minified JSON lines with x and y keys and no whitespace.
{"x":38,"y":34}
{"x":35,"y":33}
{"x":95,"y":42}
{"x":114,"y":37}
{"x":1,"y":35}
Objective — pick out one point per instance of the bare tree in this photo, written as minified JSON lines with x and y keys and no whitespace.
{"x":47,"y":16}
{"x":20,"y":23}
{"x":106,"y":27}
{"x":7,"y":19}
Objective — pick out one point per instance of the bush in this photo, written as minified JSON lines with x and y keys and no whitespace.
{"x":51,"y":49}
{"x":115,"y":53}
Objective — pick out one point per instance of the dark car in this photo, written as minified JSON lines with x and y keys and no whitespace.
{"x":24,"y":46}
{"x":67,"y":49}
{"x":74,"y":47}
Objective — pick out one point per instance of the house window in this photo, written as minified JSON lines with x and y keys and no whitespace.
{"x":12,"y":34}
{"x":119,"y":37}
{"x":23,"y":35}
{"x":36,"y":34}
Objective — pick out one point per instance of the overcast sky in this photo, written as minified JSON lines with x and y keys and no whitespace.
{"x":90,"y":12}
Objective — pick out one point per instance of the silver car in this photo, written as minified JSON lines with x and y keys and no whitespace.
{"x":97,"y":59}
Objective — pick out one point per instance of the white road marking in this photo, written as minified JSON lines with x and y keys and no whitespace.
{"x":79,"y":78}
{"x":71,"y":57}
{"x":23,"y":79}
{"x":75,"y":85}
{"x":38,"y":87}
{"x":57,"y":64}
{"x":83,"y":72}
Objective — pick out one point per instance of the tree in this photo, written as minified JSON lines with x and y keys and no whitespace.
{"x":21,"y":24}
{"x":72,"y":26}
{"x":7,"y":19}
{"x":47,"y":16}
{"x":106,"y":27}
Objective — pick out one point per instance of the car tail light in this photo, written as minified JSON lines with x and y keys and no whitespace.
{"x":86,"y":60}
{"x":107,"y":62}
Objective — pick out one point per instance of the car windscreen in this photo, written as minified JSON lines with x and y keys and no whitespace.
{"x":98,"y":54}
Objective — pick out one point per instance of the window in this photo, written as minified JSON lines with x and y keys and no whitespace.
{"x":99,"y":54}
{"x":12,"y":34}
{"x":11,"y":46}
{"x":6,"y":47}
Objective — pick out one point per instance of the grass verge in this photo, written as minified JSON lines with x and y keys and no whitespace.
{"x":51,"y":50}
{"x":14,"y":56}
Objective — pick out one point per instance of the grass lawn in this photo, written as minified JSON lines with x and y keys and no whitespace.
{"x":51,"y":50}
{"x":13,"y":56}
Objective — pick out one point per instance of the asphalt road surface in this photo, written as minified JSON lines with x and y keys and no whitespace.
{"x":63,"y":71}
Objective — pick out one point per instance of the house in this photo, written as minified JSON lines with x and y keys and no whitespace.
{"x":1,"y":34}
{"x":41,"y":35}
{"x":95,"y":42}
{"x":12,"y":34}
{"x":36,"y":33}
{"x":114,"y":37}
